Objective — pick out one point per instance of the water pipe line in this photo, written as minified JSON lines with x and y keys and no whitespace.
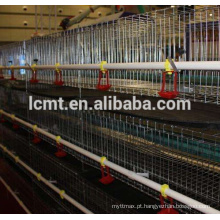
{"x":187,"y":65}
{"x":130,"y":174}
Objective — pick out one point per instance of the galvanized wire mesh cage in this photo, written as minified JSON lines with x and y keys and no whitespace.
{"x":149,"y":37}
{"x":185,"y":159}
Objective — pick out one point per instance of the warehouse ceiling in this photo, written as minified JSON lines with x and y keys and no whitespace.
{"x":20,"y":22}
